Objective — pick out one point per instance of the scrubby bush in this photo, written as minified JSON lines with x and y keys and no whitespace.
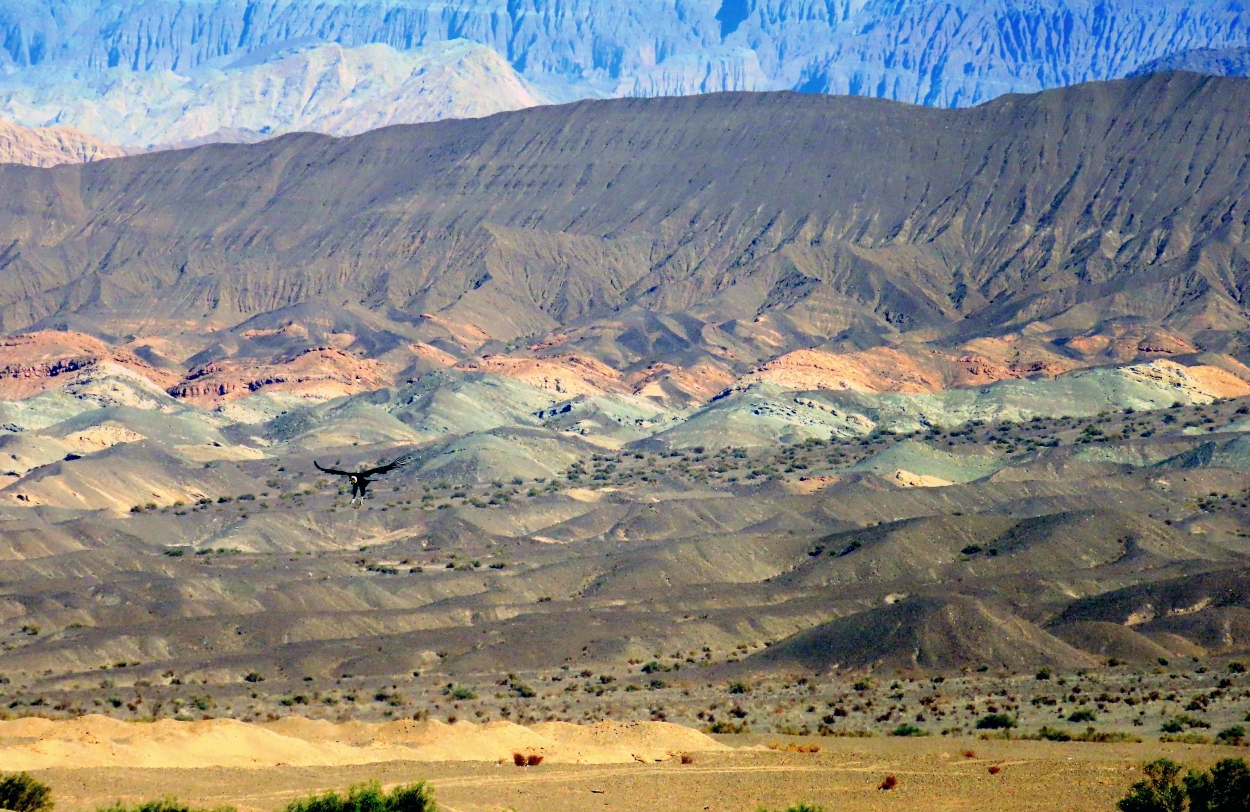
{"x":1179,"y":723}
{"x":1105,"y":736}
{"x":996,"y":721}
{"x":1083,"y":715}
{"x":163,"y":805}
{"x":1223,"y":788}
{"x":908,"y":730}
{"x":729,"y":727}
{"x":22,"y":793}
{"x":417,"y":797}
{"x":1231,"y":735}
{"x":800,"y":807}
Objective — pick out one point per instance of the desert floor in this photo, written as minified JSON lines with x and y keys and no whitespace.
{"x":933,"y":774}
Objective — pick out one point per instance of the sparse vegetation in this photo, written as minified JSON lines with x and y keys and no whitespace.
{"x":417,"y":797}
{"x":1223,"y":788}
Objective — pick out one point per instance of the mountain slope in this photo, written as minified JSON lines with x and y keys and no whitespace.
{"x":867,"y":218}
{"x":924,"y":633}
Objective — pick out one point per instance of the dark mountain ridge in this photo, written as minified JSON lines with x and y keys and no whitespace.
{"x":1125,"y":200}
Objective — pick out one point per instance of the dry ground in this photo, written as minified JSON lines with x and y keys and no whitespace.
{"x":933,"y":774}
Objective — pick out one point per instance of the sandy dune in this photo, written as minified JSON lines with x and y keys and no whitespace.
{"x":96,"y":741}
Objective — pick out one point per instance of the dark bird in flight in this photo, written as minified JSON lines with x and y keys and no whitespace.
{"x":360,"y":479}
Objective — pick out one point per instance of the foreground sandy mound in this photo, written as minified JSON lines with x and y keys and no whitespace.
{"x":96,"y":741}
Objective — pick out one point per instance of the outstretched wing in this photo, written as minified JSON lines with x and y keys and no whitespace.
{"x":390,"y":466}
{"x":333,"y":470}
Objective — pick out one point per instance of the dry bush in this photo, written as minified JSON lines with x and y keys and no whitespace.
{"x":888,"y":784}
{"x":793,"y":748}
{"x":518,"y":759}
{"x":995,"y":769}
{"x":686,"y":758}
{"x":969,"y":754}
{"x":533,"y":760}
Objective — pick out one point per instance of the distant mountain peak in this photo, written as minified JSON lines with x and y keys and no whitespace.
{"x":51,"y":146}
{"x":320,"y":87}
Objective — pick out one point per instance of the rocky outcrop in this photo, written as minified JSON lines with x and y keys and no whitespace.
{"x":39,"y":361}
{"x":51,"y":146}
{"x":316,"y":374}
{"x":1211,"y":61}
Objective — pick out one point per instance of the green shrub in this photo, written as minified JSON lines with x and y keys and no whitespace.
{"x":417,"y":797}
{"x":22,"y":793}
{"x":1223,"y":788}
{"x":1052,"y":734}
{"x":1083,"y":715}
{"x":1231,"y":735}
{"x":163,"y":805}
{"x":995,"y":721}
{"x":1159,"y":791}
{"x":908,"y":730}
{"x":459,"y":692}
{"x":801,"y":807}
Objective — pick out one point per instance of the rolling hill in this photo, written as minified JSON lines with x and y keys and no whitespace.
{"x":695,"y":392}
